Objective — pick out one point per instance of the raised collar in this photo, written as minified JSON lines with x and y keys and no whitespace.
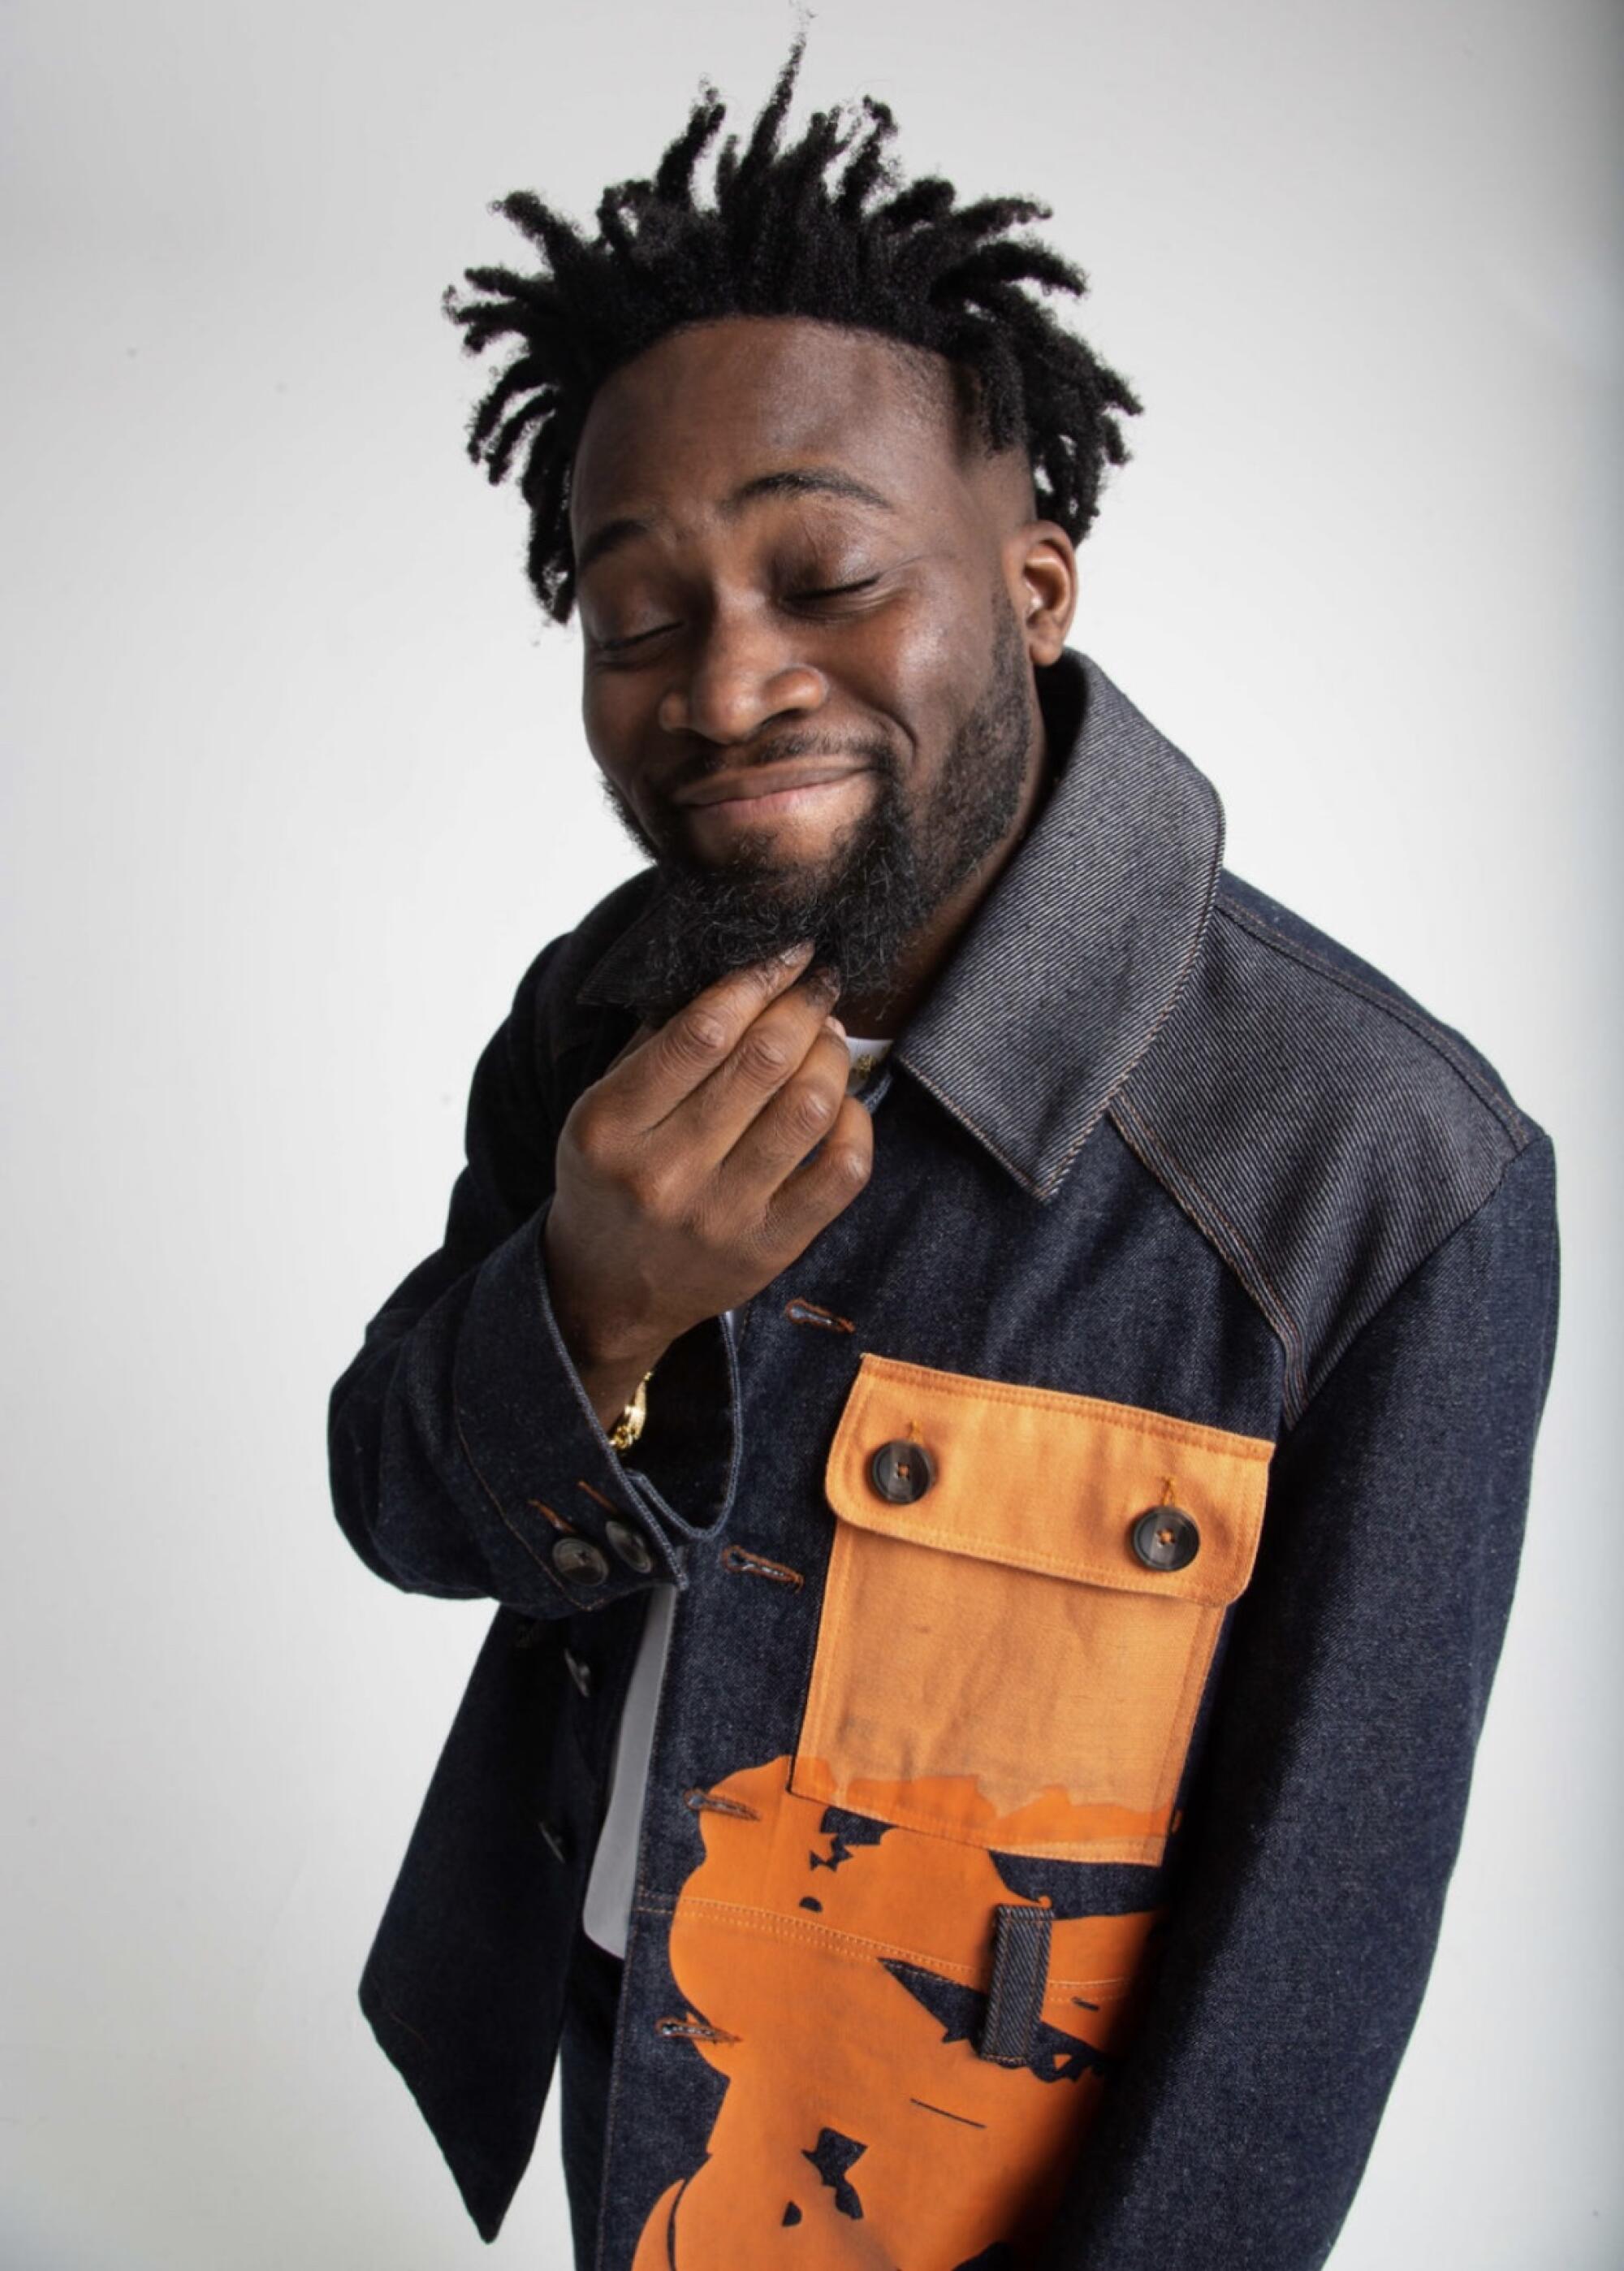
{"x":1075,"y":958}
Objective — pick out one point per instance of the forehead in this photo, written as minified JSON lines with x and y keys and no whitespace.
{"x":712,"y":407}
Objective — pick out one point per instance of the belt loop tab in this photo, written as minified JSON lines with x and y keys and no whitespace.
{"x":1019,"y":1975}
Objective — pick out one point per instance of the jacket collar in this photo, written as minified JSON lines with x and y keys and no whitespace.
{"x":1074,"y":960}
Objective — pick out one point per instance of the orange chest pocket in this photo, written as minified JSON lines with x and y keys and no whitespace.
{"x":1024,"y":1593}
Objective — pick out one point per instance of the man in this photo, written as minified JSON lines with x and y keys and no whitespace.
{"x":1052,"y":1438}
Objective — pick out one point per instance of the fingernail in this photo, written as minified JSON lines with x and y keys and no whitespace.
{"x":790,"y":955}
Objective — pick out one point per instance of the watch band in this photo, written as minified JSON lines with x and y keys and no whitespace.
{"x":629,"y":1425}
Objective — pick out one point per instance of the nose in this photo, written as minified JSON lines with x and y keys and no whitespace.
{"x":737,"y":680}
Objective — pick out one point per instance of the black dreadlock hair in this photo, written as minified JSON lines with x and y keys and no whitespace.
{"x":779,"y":238}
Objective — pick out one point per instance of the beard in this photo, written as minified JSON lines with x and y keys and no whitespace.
{"x":882,"y":880}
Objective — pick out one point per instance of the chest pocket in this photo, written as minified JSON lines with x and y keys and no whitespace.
{"x":1024,"y":1593}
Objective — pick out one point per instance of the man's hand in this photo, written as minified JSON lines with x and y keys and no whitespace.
{"x":683,"y":1183}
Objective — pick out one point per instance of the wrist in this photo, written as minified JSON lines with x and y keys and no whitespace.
{"x":599,"y":1349}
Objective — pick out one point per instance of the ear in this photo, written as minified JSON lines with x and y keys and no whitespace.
{"x":1040,"y":566}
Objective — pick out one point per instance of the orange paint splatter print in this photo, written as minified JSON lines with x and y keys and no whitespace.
{"x":861,"y":2126}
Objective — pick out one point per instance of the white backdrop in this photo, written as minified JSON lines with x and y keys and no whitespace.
{"x":295,"y":788}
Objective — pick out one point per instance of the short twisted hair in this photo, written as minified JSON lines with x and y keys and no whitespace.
{"x":780,"y":237}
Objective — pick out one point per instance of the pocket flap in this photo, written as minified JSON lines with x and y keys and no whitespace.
{"x":1040,"y":1479}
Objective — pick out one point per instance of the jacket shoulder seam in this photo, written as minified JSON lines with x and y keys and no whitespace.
{"x":1425,"y":1028}
{"x":1230,"y":1243}
{"x":1332,"y":1357}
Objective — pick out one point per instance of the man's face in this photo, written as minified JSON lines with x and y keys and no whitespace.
{"x":793,"y":579}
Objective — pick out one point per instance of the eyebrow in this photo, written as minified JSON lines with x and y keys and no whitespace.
{"x":788,"y":480}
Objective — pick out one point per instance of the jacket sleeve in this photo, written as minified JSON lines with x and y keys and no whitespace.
{"x":1329,"y":1803}
{"x":463,"y":1449}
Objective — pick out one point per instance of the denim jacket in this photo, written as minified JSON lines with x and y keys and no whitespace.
{"x":1092,"y":1557}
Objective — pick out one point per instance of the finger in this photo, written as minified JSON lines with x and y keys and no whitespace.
{"x":785,"y":1127}
{"x":824,"y":1185}
{"x":643,"y":1033}
{"x":708,"y":1122}
{"x":653,"y":1078}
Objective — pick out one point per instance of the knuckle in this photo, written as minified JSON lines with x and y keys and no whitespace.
{"x":849,"y":1167}
{"x":650,"y":1187}
{"x":585,"y":1129}
{"x":764,"y":1056}
{"x":697,"y":1034}
{"x":807,"y":1111}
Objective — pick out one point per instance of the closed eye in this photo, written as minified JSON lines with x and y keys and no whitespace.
{"x":620,"y":645}
{"x":838,"y":591}
{"x":825,"y":592}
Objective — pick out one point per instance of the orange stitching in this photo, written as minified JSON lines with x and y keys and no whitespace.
{"x":500,"y":1508}
{"x":608,"y":1504}
{"x":1413,"y":1020}
{"x":1175,"y":1756}
{"x":860,"y":1948}
{"x":856,"y":1947}
{"x":1155,"y":1136}
{"x":1115,"y":1577}
{"x":1133,"y":1417}
{"x":1044,"y":1192}
{"x":1283,"y":1321}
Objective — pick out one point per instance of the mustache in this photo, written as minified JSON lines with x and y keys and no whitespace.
{"x":781,"y":749}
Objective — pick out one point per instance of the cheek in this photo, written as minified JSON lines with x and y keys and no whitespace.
{"x":615,"y":720}
{"x":601,"y":715}
{"x":922,"y":664}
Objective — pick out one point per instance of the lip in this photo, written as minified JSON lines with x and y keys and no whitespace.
{"x":773,"y":786}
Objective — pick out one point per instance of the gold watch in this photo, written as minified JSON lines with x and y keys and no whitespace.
{"x":629,"y":1425}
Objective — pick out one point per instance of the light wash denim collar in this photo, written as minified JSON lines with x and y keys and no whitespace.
{"x":1076,"y":957}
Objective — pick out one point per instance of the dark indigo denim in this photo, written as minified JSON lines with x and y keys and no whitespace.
{"x":1154,"y":1141}
{"x":586,"y":2053}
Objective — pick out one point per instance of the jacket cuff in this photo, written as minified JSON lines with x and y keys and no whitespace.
{"x":601,"y":1524}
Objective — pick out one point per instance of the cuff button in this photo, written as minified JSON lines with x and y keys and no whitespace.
{"x":630,"y":1545}
{"x":579,"y":1562}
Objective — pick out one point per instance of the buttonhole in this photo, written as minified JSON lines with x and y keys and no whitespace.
{"x":802,"y":1312}
{"x":702,"y":1800}
{"x":744,"y":1563}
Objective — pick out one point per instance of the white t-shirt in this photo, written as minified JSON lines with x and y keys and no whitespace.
{"x":614,"y":1864}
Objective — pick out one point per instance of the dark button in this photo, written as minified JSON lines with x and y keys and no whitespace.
{"x":581,"y":1673}
{"x":901,"y":1472}
{"x":630,"y":1545}
{"x":1166,"y":1538}
{"x":579,"y":1562}
{"x":555,"y":1843}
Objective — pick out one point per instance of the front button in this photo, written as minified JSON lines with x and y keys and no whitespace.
{"x":579,"y":1562}
{"x":901,"y":1472}
{"x":1166,"y":1538}
{"x":630,"y":1545}
{"x":581,"y":1673}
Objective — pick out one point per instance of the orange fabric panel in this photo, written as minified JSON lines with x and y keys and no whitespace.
{"x":994,"y":1665}
{"x":930,"y":2153}
{"x":1043,"y":1480}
